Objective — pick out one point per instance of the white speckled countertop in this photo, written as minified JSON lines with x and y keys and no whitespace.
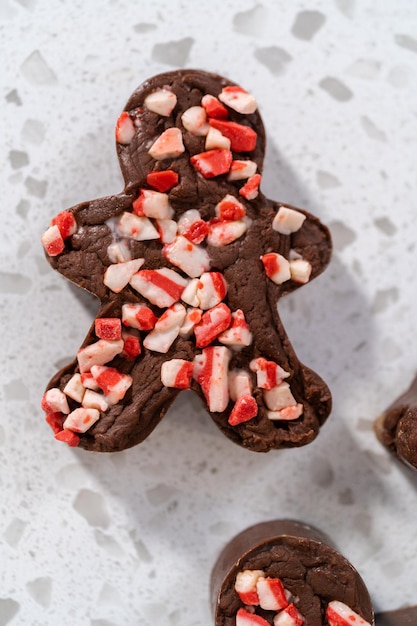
{"x":130,"y":538}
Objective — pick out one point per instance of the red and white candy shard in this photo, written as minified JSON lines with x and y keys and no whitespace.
{"x":290,"y":616}
{"x":229,"y":208}
{"x":215,"y":140}
{"x":74,"y":388}
{"x":300,"y":270}
{"x":194,"y":120}
{"x":277,"y":267}
{"x":221,"y":233}
{"x":238,"y":334}
{"x":245,"y":585}
{"x":212,"y":163}
{"x":119,"y":251}
{"x":250,"y":189}
{"x":177,"y":373}
{"x":268,"y":373}
{"x":118,"y":275}
{"x":186,"y":222}
{"x":214,"y":107}
{"x":98,"y":353}
{"x":153,"y":204}
{"x":125,"y":129}
{"x":113,"y":383}
{"x":238,"y":99}
{"x":211,"y":290}
{"x":339,"y":614}
{"x":81,"y":419}
{"x":88,"y":381}
{"x":213,"y":322}
{"x":189,"y":295}
{"x":66,"y":224}
{"x":166,"y":329}
{"x":163,"y":180}
{"x":240,"y":170}
{"x":245,"y":618}
{"x":245,"y":409}
{"x":167,"y":230}
{"x":162,"y":287}
{"x":288,"y":413}
{"x":192,"y":318}
{"x":138,"y":316}
{"x":169,"y":145}
{"x":191,"y":259}
{"x":94,"y":400}
{"x":240,"y":383}
{"x":52,"y":241}
{"x":55,"y":401}
{"x":68,"y":437}
{"x":161,"y":101}
{"x":279,"y":397}
{"x":131,"y":346}
{"x":137,"y":228}
{"x":272,"y":594}
{"x":242,"y":138}
{"x":287,"y":220}
{"x":210,"y":371}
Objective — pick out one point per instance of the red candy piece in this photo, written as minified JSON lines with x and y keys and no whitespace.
{"x":108,"y":328}
{"x":250,"y":189}
{"x":125,"y":129}
{"x":197,"y":232}
{"x":108,"y":379}
{"x":244,"y":410}
{"x":212,"y":163}
{"x":290,"y":616}
{"x":66,"y":224}
{"x":184,"y":376}
{"x":162,"y":181}
{"x":271,"y":593}
{"x":52,"y":241}
{"x":131,"y":346}
{"x":244,"y":618}
{"x":230,"y":209}
{"x":214,"y":108}
{"x":242,"y":138}
{"x":55,"y":421}
{"x":213,"y":322}
{"x":67,"y":436}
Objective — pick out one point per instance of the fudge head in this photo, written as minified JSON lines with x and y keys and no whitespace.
{"x":189,"y":263}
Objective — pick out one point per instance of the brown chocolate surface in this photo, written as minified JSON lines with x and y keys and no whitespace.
{"x":85,"y":259}
{"x":401,"y":617}
{"x":313,"y":571}
{"x":396,"y":428}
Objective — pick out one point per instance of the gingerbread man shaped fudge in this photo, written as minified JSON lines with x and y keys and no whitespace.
{"x":188,"y":263}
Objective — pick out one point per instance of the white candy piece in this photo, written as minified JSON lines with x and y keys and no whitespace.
{"x":94,"y":400}
{"x":279,"y":397}
{"x":55,"y":401}
{"x":268,"y":373}
{"x":194,"y":120}
{"x":238,"y":99}
{"x":187,"y":219}
{"x":211,"y":289}
{"x":189,"y":257}
{"x":137,"y":228}
{"x":240,"y":383}
{"x":170,"y":370}
{"x":192,"y":318}
{"x":288,"y":413}
{"x":343,"y":612}
{"x":98,"y":353}
{"x":215,"y":140}
{"x":131,"y":315}
{"x":238,"y":334}
{"x":287,"y":220}
{"x":119,"y":251}
{"x":118,"y":275}
{"x":74,"y":388}
{"x":271,"y":598}
{"x":167,"y":230}
{"x":245,"y":585}
{"x":153,"y":204}
{"x":189,"y":295}
{"x":169,"y":145}
{"x":161,"y":101}
{"x":227,"y":201}
{"x":210,"y":371}
{"x":300,"y":270}
{"x":277,"y":267}
{"x":166,"y":329}
{"x":80,"y":420}
{"x":117,"y":390}
{"x":222,"y":233}
{"x":52,"y":237}
{"x":285,"y":618}
{"x":88,"y":381}
{"x":125,"y":129}
{"x":162,"y":287}
{"x":242,"y":169}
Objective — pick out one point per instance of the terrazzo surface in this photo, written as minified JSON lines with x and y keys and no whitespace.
{"x":130,"y":538}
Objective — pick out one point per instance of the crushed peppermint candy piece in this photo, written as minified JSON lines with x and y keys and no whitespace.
{"x":339,"y":614}
{"x":240,"y":383}
{"x":272,"y":594}
{"x":98,"y":353}
{"x":88,"y":381}
{"x":290,"y":616}
{"x":212,"y":163}
{"x":169,"y":145}
{"x":125,"y":129}
{"x":189,"y":295}
{"x":194,"y":120}
{"x":221,"y":232}
{"x":137,"y":228}
{"x":268,"y":373}
{"x":166,"y":329}
{"x":287,"y":220}
{"x":113,"y":383}
{"x":211,"y":289}
{"x":210,"y":371}
{"x":177,"y":373}
{"x":277,"y":267}
{"x":245,"y":409}
{"x":81,"y":419}
{"x":250,"y":189}
{"x":238,"y":334}
{"x":214,"y":107}
{"x":192,"y":318}
{"x":300,"y":270}
{"x":213,"y":322}
{"x":245,"y":618}
{"x":108,"y":328}
{"x":94,"y":400}
{"x":190,"y":258}
{"x":118,"y":275}
{"x":74,"y":388}
{"x":245,"y":585}
{"x":279,"y":397}
{"x":229,"y":208}
{"x":68,"y":437}
{"x":161,"y":101}
{"x":191,"y":226}
{"x":131,"y":346}
{"x":240,"y":170}
{"x":138,"y":316}
{"x":55,"y":421}
{"x":66,"y":224}
{"x":119,"y":251}
{"x":162,"y":287}
{"x":242,"y":138}
{"x":153,"y":204}
{"x":215,"y":140}
{"x":52,"y":241}
{"x":238,"y":99}
{"x":167,"y":230}
{"x":55,"y":401}
{"x":288,"y":413}
{"x":163,"y":180}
